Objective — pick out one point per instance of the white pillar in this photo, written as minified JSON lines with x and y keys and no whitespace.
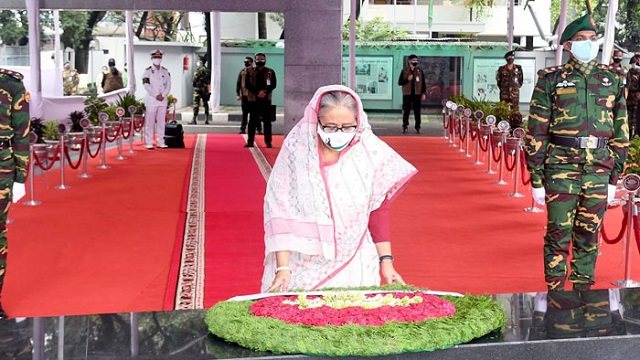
{"x":352,"y":46}
{"x":415,"y":18}
{"x":35,"y":87}
{"x":57,"y":53}
{"x":510,"y":24}
{"x":394,"y":14}
{"x":562,"y":23}
{"x":609,"y":32}
{"x":216,"y":65}
{"x":131,"y":69}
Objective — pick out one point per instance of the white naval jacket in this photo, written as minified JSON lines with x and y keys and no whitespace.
{"x":156,"y":82}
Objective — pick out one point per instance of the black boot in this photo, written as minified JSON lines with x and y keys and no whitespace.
{"x":206,"y":121}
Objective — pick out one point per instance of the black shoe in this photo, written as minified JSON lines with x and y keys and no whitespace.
{"x":193,"y":123}
{"x":269,"y":146}
{"x":417,"y":131}
{"x":248,"y":145}
{"x":404,"y":130}
{"x":206,"y":122}
{"x":259,"y":132}
{"x":242,"y":132}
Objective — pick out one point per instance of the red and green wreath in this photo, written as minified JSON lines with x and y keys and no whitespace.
{"x":341,"y":322}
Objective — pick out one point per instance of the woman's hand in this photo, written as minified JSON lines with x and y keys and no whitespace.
{"x":390,"y":274}
{"x":281,"y":281}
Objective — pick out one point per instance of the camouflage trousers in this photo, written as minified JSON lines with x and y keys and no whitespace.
{"x":576,"y":202}
{"x":197,"y":97}
{"x":5,"y":201}
{"x":633,"y":118}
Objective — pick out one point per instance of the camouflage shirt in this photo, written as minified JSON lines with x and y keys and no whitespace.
{"x":509,"y":81}
{"x":14,"y":126}
{"x":577,"y":100}
{"x":633,"y":82}
{"x":202,"y":79}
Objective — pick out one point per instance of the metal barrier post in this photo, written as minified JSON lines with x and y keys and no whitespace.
{"x":503,"y":140}
{"x":631,"y":183}
{"x":62,"y":185}
{"x":103,"y":150}
{"x":32,"y":201}
{"x":516,"y":172}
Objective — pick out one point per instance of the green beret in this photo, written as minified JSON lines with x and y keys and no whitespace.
{"x":584,"y":22}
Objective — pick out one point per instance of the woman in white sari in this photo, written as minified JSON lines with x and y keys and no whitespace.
{"x":326,"y":209}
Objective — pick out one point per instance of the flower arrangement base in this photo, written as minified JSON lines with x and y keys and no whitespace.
{"x":341,"y":322}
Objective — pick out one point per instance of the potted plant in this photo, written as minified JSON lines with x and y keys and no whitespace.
{"x":37,"y":126}
{"x":92,"y":106}
{"x":171,"y":101}
{"x":50,"y":132}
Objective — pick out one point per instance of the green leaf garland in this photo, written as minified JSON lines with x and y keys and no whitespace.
{"x":475,"y":316}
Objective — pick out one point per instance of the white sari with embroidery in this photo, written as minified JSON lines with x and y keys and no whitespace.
{"x":321,"y":213}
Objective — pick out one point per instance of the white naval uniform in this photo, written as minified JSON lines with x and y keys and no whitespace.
{"x":159,"y":83}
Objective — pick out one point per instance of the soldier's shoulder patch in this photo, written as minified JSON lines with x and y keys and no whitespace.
{"x":14,"y":74}
{"x":27,"y":97}
{"x":548,"y":70}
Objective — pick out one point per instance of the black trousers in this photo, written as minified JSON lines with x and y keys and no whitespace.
{"x":247,"y":110}
{"x":411,"y":102}
{"x":261,"y":114}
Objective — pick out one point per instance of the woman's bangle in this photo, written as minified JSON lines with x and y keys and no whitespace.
{"x":384,"y":257}
{"x":282,"y":268}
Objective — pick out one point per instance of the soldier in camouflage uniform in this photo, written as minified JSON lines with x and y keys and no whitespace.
{"x":201,"y":82}
{"x":633,"y":95}
{"x":576,"y":145}
{"x":70,"y":79}
{"x":14,"y":152}
{"x":509,"y":78}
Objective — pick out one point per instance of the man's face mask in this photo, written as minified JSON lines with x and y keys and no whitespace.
{"x":260,"y":62}
{"x":585,"y":50}
{"x":617,"y":60}
{"x":156,"y":61}
{"x":510,"y":60}
{"x":247,"y":63}
{"x":414,"y":62}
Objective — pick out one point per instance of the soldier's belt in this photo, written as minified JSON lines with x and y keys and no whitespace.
{"x":580,"y":142}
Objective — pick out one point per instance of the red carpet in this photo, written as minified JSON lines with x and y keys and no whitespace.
{"x":234,"y":190}
{"x":102,"y":246}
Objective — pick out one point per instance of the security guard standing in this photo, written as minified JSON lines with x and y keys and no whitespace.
{"x":157,"y":82}
{"x":509,"y":78}
{"x":576,"y":146}
{"x":414,"y":92}
{"x":246,"y":98}
{"x":70,"y":79}
{"x":633,"y":95}
{"x":261,"y":85}
{"x":14,"y":153}
{"x":201,"y":85}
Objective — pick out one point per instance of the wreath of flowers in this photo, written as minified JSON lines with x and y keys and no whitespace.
{"x":357,"y":308}
{"x":475,"y":316}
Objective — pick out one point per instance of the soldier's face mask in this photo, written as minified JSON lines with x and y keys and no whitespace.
{"x":414,"y":62}
{"x":584,"y":50}
{"x":510,"y":59}
{"x":156,"y":61}
{"x":617,"y":60}
{"x":260,"y":62}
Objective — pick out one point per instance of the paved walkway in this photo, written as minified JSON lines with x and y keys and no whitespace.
{"x":383,"y":123}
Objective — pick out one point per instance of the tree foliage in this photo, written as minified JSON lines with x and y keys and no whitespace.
{"x":74,"y":28}
{"x":628,"y":19}
{"x":14,"y":26}
{"x":374,"y":30}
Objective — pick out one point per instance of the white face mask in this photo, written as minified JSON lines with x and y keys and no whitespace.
{"x":337,"y":141}
{"x":585,"y":50}
{"x":156,"y":61}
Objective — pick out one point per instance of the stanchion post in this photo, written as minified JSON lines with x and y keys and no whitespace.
{"x":62,"y":129}
{"x":132,"y":112}
{"x":518,"y":133}
{"x":119,"y":137}
{"x":631,"y":183}
{"x":479,"y":115}
{"x":33,"y":138}
{"x":503,"y":127}
{"x":103,"y":117}
{"x":85,"y":123}
{"x":456,"y":121}
{"x":445,"y":113}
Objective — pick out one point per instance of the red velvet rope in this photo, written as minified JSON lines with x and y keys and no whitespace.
{"x":115,"y":136}
{"x":474,"y":133}
{"x":625,"y":221}
{"x":51,"y":161}
{"x":493,"y":152}
{"x":98,"y":149}
{"x":445,"y":123}
{"x":66,"y":155}
{"x":506,"y":163}
{"x":463,"y":135}
{"x":486,"y":145}
{"x":138,"y":127}
{"x":523,"y":169}
{"x":128,"y":132}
